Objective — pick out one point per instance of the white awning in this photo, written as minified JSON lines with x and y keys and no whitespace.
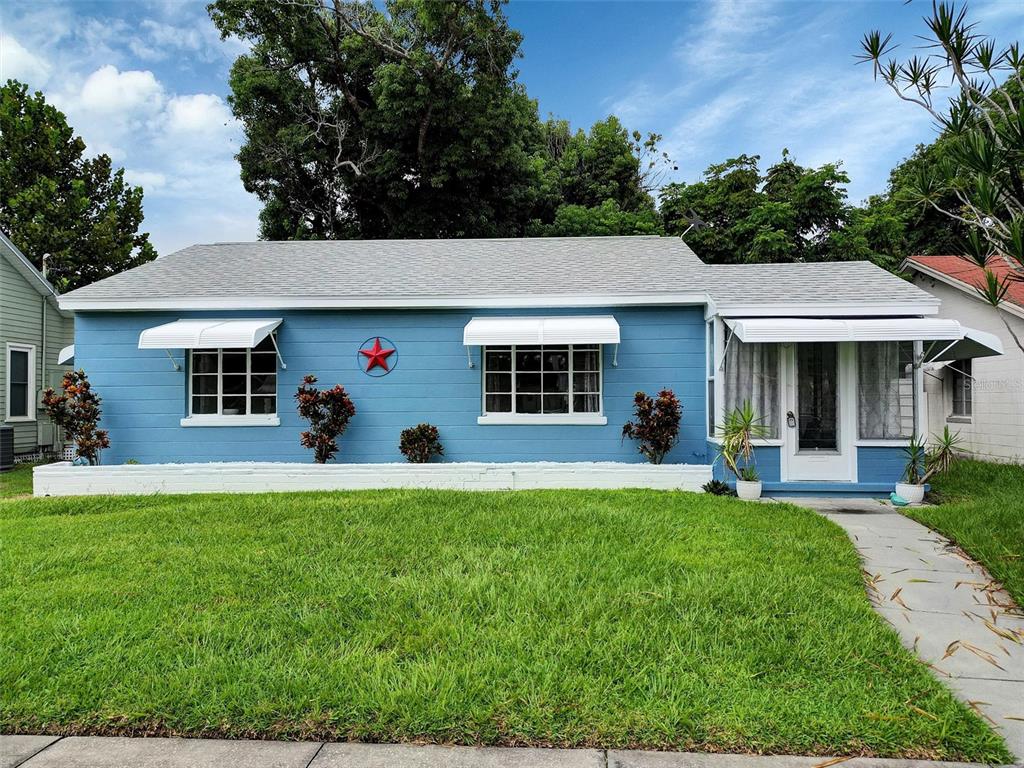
{"x":594,"y":329}
{"x":947,"y":339}
{"x":67,"y":355}
{"x":208,"y":334}
{"x":975,"y":343}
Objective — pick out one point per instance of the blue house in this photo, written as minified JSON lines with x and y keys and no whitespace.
{"x":518,"y":350}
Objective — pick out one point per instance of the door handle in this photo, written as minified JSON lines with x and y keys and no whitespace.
{"x":790,"y":419}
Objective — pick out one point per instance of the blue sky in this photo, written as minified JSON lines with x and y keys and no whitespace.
{"x":146,"y":82}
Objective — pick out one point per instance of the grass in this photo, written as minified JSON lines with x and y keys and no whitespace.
{"x":602,"y":618}
{"x":982,"y":510}
{"x":17,"y":481}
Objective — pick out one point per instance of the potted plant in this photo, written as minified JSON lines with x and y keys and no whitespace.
{"x":923,"y":464}
{"x":742,"y":426}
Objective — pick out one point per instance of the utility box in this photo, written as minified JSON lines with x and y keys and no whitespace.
{"x":6,"y":448}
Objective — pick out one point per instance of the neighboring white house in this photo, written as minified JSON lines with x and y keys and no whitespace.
{"x":983,"y":398}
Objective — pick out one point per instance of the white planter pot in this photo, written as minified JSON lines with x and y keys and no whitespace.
{"x":748,"y":490}
{"x":914,"y":494}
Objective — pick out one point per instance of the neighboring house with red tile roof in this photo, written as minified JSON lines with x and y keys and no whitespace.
{"x":983,"y":398}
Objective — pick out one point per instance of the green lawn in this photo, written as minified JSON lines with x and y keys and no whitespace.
{"x":17,"y":481}
{"x":982,"y":510}
{"x":618,"y":619}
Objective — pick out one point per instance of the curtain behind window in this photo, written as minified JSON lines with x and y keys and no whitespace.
{"x":885,"y":390}
{"x":752,"y":373}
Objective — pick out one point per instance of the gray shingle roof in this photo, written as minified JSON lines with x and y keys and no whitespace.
{"x":413,"y":268}
{"x":854,"y":282}
{"x":468,"y":270}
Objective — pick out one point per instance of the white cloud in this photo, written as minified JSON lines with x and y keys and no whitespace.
{"x":111,"y":92}
{"x":148,"y":180}
{"x":21,"y":64}
{"x":201,"y":113}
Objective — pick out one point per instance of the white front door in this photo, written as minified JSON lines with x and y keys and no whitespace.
{"x":819,"y":421}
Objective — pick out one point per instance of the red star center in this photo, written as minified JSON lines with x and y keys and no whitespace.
{"x":378,"y":356}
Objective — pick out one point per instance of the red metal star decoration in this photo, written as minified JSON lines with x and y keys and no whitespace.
{"x":377,"y":356}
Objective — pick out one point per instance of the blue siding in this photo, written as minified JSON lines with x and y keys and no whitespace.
{"x":767,"y":460}
{"x":880,"y":464}
{"x":144,"y":397}
{"x":878,"y":469}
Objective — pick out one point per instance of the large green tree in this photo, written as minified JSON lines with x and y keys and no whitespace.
{"x":404,"y":119}
{"x":977,"y":178}
{"x":396,"y":121}
{"x":737,"y":214}
{"x":54,"y":200}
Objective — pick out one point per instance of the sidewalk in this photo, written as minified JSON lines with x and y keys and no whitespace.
{"x":944,"y":606}
{"x":117,"y":752}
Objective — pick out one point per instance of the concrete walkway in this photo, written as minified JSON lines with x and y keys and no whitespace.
{"x":945,"y":607}
{"x":115,"y":752}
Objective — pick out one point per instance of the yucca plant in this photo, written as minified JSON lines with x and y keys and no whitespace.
{"x":741,"y":428}
{"x":924,"y":462}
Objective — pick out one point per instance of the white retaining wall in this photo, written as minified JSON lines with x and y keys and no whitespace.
{"x":64,"y":479}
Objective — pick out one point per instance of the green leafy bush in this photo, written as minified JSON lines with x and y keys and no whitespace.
{"x":420,"y":443}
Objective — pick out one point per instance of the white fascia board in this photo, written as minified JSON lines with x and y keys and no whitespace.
{"x":942,"y":277}
{"x":279,"y":302}
{"x":859,"y":309}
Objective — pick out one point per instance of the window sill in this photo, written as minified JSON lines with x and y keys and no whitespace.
{"x":526,"y":419}
{"x":231,"y":421}
{"x":20,"y":419}
{"x":960,"y":419}
{"x":896,"y":442}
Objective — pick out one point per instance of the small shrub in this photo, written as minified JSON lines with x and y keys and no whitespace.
{"x":76,"y":410}
{"x":749,"y":474}
{"x":656,"y":428}
{"x":131,"y":461}
{"x":718,"y":488}
{"x":328,"y":412}
{"x":420,"y":443}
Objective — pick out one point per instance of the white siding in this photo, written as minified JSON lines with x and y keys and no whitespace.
{"x":996,"y":429}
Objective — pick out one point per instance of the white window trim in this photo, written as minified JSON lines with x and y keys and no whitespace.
{"x":534,"y":419}
{"x":953,"y":417}
{"x":579,"y":419}
{"x":13,"y":346}
{"x":213,"y":420}
{"x":241,"y":420}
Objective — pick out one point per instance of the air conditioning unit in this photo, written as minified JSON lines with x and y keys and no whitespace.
{"x":6,"y":448}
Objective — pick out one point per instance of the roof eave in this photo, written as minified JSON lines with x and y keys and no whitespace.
{"x":238,"y":303}
{"x":1009,"y":306}
{"x":32,"y":275}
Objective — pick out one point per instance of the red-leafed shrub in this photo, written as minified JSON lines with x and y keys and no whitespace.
{"x":76,"y":410}
{"x":656,"y":428}
{"x":328,"y":412}
{"x":420,"y":443}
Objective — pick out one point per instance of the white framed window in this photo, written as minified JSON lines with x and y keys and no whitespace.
{"x":21,"y":382}
{"x":886,"y":390}
{"x":961,"y":379}
{"x":543,"y":384}
{"x":752,"y":376}
{"x":233,"y":387}
{"x":709,"y":354}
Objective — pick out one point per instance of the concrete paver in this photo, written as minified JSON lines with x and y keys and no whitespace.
{"x":15,"y":750}
{"x":945,"y":607}
{"x":103,"y":752}
{"x":123,"y":752}
{"x":431,"y":756}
